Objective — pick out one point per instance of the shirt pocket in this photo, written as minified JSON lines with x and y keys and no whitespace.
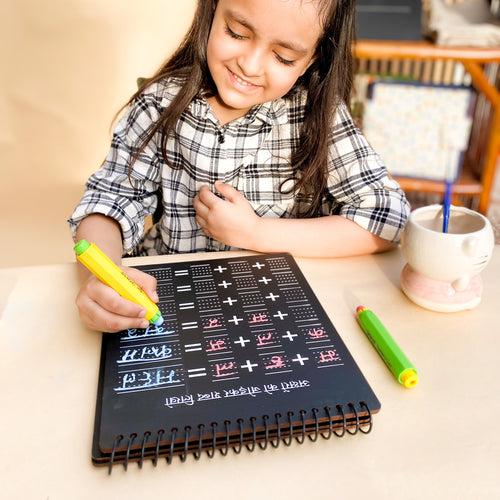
{"x":265,"y":181}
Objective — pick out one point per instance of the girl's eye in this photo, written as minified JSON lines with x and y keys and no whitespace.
{"x":236,"y":36}
{"x":286,"y":62}
{"x":232,"y":34}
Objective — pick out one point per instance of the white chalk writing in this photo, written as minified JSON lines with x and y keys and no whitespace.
{"x":248,"y":391}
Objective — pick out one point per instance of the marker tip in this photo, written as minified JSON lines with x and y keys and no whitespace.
{"x":159,"y":321}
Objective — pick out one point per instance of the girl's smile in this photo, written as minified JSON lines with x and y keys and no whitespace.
{"x":242,"y":85}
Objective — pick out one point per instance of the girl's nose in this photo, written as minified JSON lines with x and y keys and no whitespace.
{"x":251,"y":63}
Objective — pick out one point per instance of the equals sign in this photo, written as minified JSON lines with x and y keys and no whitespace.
{"x":192,"y":347}
{"x":190,"y":325}
{"x":186,"y":305}
{"x":184,"y":288}
{"x":181,"y":272}
{"x":197,"y":372}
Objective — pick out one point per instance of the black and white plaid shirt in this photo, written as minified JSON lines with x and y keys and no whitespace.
{"x":251,"y":154}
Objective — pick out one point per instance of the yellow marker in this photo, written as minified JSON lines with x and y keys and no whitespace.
{"x":99,"y":264}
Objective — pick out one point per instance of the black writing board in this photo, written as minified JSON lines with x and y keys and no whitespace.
{"x":245,"y":349}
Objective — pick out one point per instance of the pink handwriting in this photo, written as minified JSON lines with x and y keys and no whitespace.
{"x":275,"y":362}
{"x":316,"y":333}
{"x":258,"y":318}
{"x":326,"y":356}
{"x":216,"y":345}
{"x":225,"y":369}
{"x":264,"y":338}
{"x":213,"y":323}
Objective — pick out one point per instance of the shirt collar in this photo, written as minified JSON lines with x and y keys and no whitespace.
{"x":272,"y":112}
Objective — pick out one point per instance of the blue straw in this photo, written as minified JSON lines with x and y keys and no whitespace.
{"x":446,"y":205}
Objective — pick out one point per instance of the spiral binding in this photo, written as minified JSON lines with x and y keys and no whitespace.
{"x":151,"y":448}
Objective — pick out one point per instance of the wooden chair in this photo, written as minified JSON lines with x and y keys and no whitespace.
{"x":470,"y":183}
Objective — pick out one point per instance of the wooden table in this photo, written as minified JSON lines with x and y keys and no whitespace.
{"x":438,"y":440}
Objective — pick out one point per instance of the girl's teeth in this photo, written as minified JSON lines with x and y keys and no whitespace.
{"x":239,"y":80}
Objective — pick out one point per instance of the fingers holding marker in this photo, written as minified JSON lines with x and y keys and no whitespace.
{"x":99,"y":264}
{"x":147,"y":282}
{"x":98,"y":318}
{"x":111,"y":301}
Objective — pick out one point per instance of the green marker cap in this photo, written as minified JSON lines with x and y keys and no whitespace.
{"x":81,"y":246}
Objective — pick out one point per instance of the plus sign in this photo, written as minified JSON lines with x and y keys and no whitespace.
{"x":249,"y":365}
{"x":300,"y":359}
{"x":272,"y":297}
{"x":225,"y":284}
{"x":220,"y":268}
{"x":235,"y":320}
{"x":289,"y":335}
{"x":280,"y":315}
{"x":265,"y":280}
{"x":258,"y":265}
{"x":229,"y":301}
{"x":241,"y":341}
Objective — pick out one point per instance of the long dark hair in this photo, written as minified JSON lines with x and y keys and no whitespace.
{"x":328,"y":82}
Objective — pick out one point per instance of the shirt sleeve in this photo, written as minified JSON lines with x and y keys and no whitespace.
{"x":359,"y":184}
{"x":111,"y":191}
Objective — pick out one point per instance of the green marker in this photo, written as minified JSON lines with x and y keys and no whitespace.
{"x":400,"y":366}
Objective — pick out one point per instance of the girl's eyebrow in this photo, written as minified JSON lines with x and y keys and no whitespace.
{"x":282,"y":43}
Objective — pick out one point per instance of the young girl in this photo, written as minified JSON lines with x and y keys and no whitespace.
{"x":243,"y":139}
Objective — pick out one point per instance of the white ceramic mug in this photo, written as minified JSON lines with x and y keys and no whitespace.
{"x":443,"y":268}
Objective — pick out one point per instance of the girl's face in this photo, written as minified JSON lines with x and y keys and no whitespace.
{"x":257,"y":50}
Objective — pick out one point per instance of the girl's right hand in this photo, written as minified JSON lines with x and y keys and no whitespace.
{"x":104,"y":310}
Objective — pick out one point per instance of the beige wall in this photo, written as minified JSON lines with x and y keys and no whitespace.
{"x":67,"y":67}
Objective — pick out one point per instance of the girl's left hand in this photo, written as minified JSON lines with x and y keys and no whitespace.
{"x":231,"y":220}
